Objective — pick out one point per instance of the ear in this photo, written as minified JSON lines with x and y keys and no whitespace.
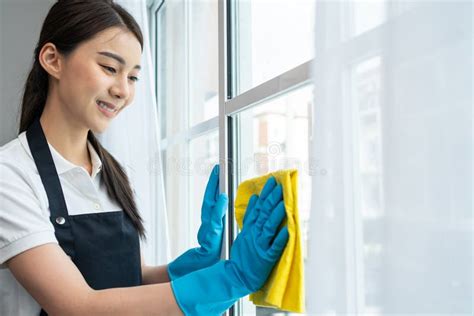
{"x":51,"y":60}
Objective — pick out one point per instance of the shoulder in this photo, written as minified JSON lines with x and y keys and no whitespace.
{"x":15,"y":146}
{"x":16,"y":159}
{"x":23,"y":218}
{"x":17,"y":170}
{"x":10,"y":148}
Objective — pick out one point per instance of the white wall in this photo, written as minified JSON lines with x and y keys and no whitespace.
{"x":20,"y":25}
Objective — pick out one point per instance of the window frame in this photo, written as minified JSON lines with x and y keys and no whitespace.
{"x":230,"y":104}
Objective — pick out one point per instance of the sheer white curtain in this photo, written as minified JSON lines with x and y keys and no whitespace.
{"x":133,"y":138}
{"x":392,"y":219}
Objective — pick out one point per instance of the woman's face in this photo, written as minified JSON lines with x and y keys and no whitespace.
{"x":103,"y":69}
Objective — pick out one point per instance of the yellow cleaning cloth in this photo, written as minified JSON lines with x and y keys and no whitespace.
{"x":284,"y":288}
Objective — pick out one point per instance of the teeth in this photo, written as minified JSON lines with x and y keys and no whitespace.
{"x":105,"y":107}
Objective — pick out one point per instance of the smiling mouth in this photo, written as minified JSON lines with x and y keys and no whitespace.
{"x":107,"y":106}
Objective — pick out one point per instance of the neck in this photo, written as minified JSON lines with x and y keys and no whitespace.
{"x":65,"y":134}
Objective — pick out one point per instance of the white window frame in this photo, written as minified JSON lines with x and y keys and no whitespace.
{"x":230,"y":105}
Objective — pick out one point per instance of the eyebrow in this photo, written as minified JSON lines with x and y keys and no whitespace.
{"x":117,"y":58}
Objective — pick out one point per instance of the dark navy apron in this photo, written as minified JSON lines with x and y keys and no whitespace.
{"x":104,"y":246}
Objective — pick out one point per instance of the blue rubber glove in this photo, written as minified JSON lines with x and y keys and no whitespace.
{"x":209,"y":235}
{"x":254,"y":253}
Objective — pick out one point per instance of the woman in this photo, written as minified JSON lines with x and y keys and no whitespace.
{"x":70,"y":227}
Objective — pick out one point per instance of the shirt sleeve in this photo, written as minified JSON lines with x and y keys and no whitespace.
{"x":23,"y":224}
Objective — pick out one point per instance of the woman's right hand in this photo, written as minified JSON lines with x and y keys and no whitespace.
{"x":259,"y":245}
{"x":253,"y":255}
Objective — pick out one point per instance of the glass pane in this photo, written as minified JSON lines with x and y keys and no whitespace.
{"x":367,"y":15}
{"x":272,"y":36}
{"x":187,"y":80}
{"x":413,"y":221}
{"x":187,"y":169}
{"x":176,"y":177}
{"x":204,"y":154}
{"x":171,"y":68}
{"x":369,"y":175}
{"x":203,"y":61}
{"x":273,"y":136}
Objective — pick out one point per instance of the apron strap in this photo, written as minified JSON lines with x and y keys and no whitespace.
{"x":47,"y":170}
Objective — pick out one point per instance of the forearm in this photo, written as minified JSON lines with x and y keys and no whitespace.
{"x":153,"y":275}
{"x":155,"y":299}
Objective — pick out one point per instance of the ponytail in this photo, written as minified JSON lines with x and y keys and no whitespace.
{"x":34,"y":96}
{"x":117,"y":183}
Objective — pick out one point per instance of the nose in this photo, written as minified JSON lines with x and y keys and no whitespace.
{"x":121,"y":89}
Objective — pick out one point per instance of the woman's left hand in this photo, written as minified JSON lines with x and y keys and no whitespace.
{"x":210,"y":233}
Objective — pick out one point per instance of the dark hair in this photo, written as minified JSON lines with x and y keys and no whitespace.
{"x":69,"y":23}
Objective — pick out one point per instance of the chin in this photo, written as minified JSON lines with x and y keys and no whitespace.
{"x":99,"y":129}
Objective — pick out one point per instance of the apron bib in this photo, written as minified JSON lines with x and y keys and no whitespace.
{"x":105,"y":247}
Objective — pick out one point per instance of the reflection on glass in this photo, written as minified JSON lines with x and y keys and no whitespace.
{"x":171,"y":68}
{"x":176,"y":178}
{"x":187,"y":168}
{"x":204,"y":154}
{"x":273,"y":136}
{"x":272,"y":37}
{"x":367,"y":15}
{"x":410,"y":209}
{"x":366,"y":84}
{"x":367,"y":91}
{"x":187,"y":55}
{"x":160,"y":63}
{"x":203,"y":61}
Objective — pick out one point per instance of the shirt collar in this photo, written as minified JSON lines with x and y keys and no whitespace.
{"x":62,"y":164}
{"x":96,"y":162}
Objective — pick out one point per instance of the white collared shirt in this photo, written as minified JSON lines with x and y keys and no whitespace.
{"x":24,"y":211}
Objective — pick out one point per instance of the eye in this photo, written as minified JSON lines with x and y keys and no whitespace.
{"x":112,"y":70}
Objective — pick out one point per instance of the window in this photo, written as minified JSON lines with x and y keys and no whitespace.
{"x":270,"y":37}
{"x":185,"y":52}
{"x":251,"y":108}
{"x":274,"y":135}
{"x":234,"y":85}
{"x":271,"y":94}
